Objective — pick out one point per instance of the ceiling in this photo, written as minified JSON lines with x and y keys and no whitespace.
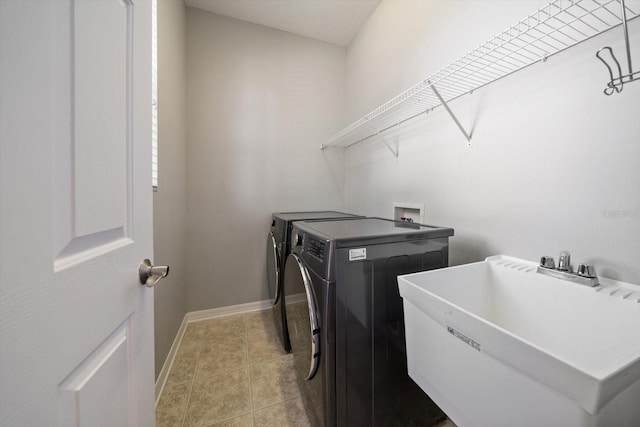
{"x":332,"y":21}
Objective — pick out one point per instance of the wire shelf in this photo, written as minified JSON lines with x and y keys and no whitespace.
{"x":551,"y":29}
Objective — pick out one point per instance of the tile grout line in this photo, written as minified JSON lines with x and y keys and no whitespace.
{"x":226,"y":371}
{"x":279,"y":361}
{"x":227,"y":419}
{"x":193,"y":378}
{"x":246,"y":336}
{"x":297,"y":396}
{"x":250,"y":412}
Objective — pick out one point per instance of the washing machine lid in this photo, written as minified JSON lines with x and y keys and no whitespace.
{"x":308,"y":216}
{"x":364,"y":231}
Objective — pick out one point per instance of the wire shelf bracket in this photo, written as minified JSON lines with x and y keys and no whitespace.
{"x":395,"y":149}
{"x":394,"y":146}
{"x":453,"y":116}
{"x":551,"y":29}
{"x":618,"y":80}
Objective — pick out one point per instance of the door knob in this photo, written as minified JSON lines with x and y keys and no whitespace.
{"x":150,"y":274}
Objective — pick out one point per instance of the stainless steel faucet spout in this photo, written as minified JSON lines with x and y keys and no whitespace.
{"x":564,"y":261}
{"x":586,"y":274}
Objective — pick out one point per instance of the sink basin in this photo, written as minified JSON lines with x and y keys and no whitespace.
{"x":496,"y":344}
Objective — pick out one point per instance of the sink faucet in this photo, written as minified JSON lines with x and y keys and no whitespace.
{"x":564,"y":262}
{"x":585,"y":275}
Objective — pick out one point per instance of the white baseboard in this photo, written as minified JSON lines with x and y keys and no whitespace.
{"x":296,"y":298}
{"x":166,"y":367}
{"x":197,"y":316}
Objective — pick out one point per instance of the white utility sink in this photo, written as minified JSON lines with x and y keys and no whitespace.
{"x":496,"y":344}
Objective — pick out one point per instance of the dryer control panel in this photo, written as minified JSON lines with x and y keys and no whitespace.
{"x":316,"y":248}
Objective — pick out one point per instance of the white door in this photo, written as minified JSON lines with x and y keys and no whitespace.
{"x":76,"y":341}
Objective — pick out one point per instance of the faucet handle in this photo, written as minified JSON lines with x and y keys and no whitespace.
{"x":564,"y":261}
{"x":586,"y":270}
{"x":547,"y":262}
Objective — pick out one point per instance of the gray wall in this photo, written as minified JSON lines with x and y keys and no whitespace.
{"x":170,"y":202}
{"x":260,"y":102}
{"x":554,"y":162}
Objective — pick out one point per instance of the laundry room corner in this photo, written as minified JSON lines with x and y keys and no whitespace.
{"x":258,"y":102}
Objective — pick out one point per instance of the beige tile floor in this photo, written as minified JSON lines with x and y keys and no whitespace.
{"x":232,"y":371}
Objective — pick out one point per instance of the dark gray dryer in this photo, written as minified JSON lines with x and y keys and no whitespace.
{"x":348,"y":337}
{"x":278,"y":248}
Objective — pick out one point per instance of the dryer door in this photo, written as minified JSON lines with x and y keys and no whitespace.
{"x":305,"y":333}
{"x":273,"y":268}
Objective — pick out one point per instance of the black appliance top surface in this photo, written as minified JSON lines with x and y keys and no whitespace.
{"x":369,"y":229}
{"x":301,"y":216}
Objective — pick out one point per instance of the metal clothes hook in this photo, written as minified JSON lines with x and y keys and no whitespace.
{"x":611,"y":86}
{"x":617,"y":82}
